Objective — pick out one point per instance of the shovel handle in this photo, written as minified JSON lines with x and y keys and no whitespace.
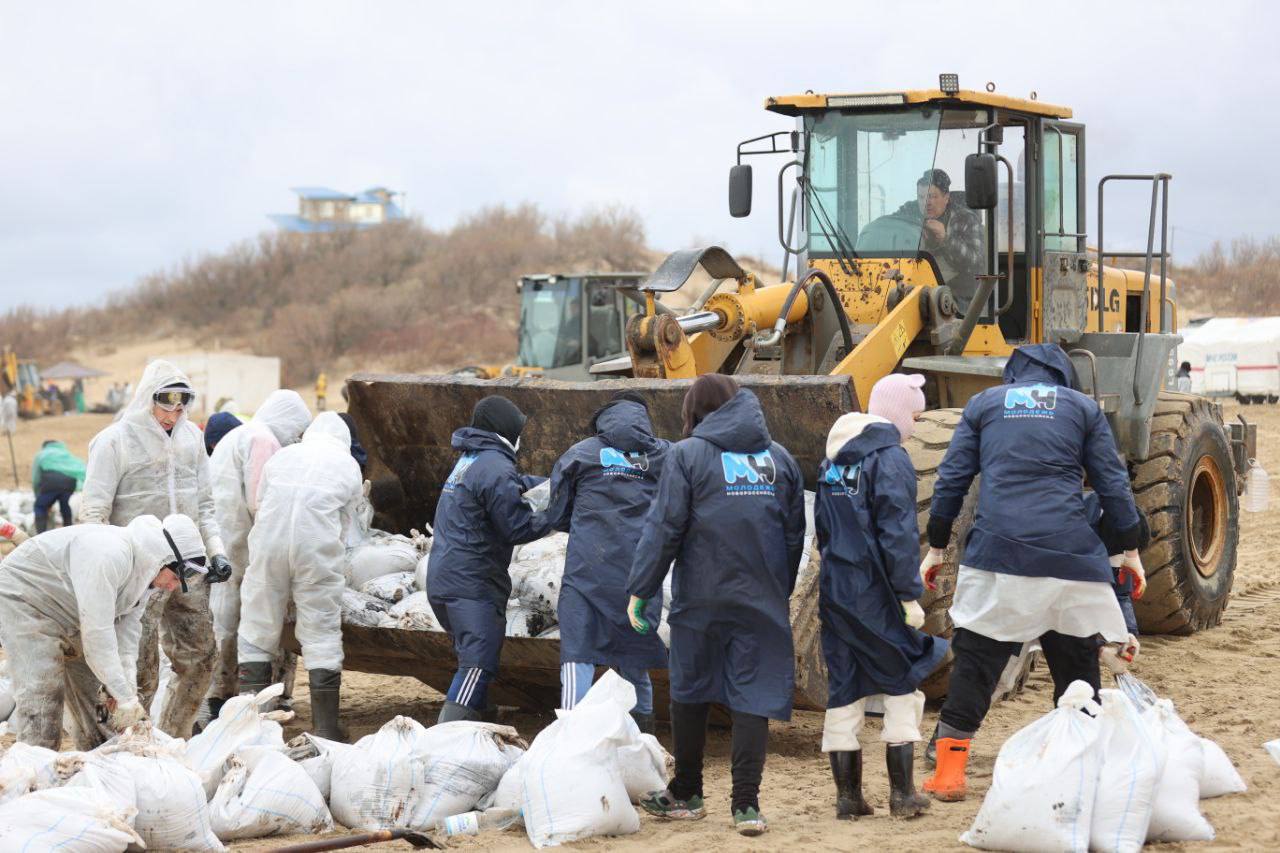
{"x":414,"y":838}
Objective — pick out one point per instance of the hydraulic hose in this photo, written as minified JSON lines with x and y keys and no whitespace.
{"x":775,"y":335}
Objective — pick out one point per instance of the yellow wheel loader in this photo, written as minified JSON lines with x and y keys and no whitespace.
{"x":932,"y":232}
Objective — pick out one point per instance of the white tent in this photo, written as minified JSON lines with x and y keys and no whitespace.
{"x":221,"y":376}
{"x":1234,"y":357}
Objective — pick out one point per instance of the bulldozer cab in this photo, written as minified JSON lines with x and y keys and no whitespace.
{"x":570,"y":322}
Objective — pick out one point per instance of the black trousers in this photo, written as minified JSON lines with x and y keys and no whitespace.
{"x":689,"y":741}
{"x":45,"y":502}
{"x":980,"y":660}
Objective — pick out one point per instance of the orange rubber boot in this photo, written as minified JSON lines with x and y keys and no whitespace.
{"x":948,"y":781}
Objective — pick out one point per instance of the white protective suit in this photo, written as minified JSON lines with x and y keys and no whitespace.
{"x":236,"y":467}
{"x":136,"y":468}
{"x":306,"y":503}
{"x":71,"y":605}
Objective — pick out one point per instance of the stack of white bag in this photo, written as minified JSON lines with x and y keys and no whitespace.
{"x":264,"y":792}
{"x":1107,"y":780}
{"x":582,"y":772}
{"x":408,"y":776}
{"x":241,"y":723}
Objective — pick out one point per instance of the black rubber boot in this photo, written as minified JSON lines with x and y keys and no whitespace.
{"x":903,"y":799}
{"x":255,"y":676}
{"x":645,"y":722}
{"x":931,"y":751}
{"x":325,"y":687}
{"x":452,"y":711}
{"x":846,"y":769}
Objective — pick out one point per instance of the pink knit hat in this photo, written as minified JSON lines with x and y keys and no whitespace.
{"x":896,"y":398}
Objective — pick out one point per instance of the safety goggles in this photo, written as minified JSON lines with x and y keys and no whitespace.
{"x":182,"y":567}
{"x":172,"y":401}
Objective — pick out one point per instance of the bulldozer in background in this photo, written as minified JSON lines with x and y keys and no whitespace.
{"x":874,"y":293}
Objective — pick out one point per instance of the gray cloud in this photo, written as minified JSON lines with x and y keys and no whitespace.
{"x":138,"y":134}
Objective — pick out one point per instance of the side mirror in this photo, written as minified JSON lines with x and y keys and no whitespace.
{"x":740,"y":191}
{"x":981,"y":181}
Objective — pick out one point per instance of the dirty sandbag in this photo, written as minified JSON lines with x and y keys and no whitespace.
{"x":646,"y":767}
{"x":25,"y":768}
{"x":380,"y":556}
{"x":1046,"y":775}
{"x":405,"y":775}
{"x":570,"y":783}
{"x":414,"y":613}
{"x":539,"y":497}
{"x":68,"y":820}
{"x":109,"y":778}
{"x":420,"y":573}
{"x":264,"y":792}
{"x":364,"y":610}
{"x":1133,"y":759}
{"x":315,"y":756}
{"x":173,"y":813}
{"x":390,"y":588}
{"x":242,"y":722}
{"x":1176,"y":815}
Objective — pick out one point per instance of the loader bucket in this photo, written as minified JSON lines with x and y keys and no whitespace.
{"x":406,"y":423}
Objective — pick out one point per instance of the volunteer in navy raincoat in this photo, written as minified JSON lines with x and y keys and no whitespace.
{"x":480,"y":518}
{"x":1033,"y":567}
{"x":601,"y":491}
{"x":730,"y":512}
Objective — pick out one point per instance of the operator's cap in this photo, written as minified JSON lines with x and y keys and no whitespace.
{"x":187,"y":546}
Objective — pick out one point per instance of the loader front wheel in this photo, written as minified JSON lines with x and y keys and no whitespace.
{"x":1187,"y":488}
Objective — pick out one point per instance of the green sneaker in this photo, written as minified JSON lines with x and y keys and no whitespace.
{"x":664,"y":805}
{"x":749,"y":822}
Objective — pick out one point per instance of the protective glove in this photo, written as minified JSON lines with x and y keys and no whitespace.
{"x":12,"y":532}
{"x":635,"y":614}
{"x":1131,"y":569}
{"x":19,"y":536}
{"x":929,"y":568}
{"x":913,"y":614}
{"x":127,"y":713}
{"x":219,"y":569}
{"x":1118,"y":656}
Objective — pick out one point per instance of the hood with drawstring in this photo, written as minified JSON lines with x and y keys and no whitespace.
{"x":284,"y":413}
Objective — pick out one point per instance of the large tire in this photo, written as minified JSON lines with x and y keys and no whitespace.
{"x":927,"y":446}
{"x":1187,"y":488}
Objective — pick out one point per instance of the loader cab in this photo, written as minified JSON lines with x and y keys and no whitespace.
{"x":880,"y":180}
{"x":570,"y":322}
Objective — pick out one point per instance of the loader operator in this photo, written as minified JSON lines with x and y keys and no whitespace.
{"x":480,"y":518}
{"x":950,"y":231}
{"x":71,"y":605}
{"x":1033,"y":567}
{"x":601,"y":490}
{"x":152,"y":461}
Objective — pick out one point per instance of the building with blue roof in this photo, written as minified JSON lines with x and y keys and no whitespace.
{"x":322,"y":209}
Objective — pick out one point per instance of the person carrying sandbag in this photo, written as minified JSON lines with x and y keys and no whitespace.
{"x":1033,"y":568}
{"x":306,"y":504}
{"x":601,"y":491}
{"x":865,"y":520}
{"x":730,"y":512}
{"x":481,"y":516}
{"x":71,"y":605}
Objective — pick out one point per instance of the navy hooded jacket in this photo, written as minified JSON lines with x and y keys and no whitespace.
{"x":601,"y":491}
{"x":865,"y":516}
{"x":1032,"y":440}
{"x":480,"y":518}
{"x":730,"y":512}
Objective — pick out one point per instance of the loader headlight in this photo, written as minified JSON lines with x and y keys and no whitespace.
{"x":886,"y":100}
{"x":949,"y":83}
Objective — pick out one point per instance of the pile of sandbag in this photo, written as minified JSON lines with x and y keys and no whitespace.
{"x":582,"y":773}
{"x":1108,"y":779}
{"x":18,"y":507}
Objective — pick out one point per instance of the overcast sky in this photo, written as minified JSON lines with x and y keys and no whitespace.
{"x":137,"y":134}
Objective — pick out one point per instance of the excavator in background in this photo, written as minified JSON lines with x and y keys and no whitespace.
{"x":23,"y":376}
{"x":933,"y":231}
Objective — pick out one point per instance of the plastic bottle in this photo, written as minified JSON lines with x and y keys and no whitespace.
{"x":473,"y":823}
{"x":1257,"y":489}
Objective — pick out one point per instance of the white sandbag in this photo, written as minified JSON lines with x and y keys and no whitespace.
{"x":6,"y":691}
{"x":1176,"y":815}
{"x":364,"y":610}
{"x":241,"y":723}
{"x":380,"y":555}
{"x":110,"y":778}
{"x":315,"y":756}
{"x":646,"y":767}
{"x":539,"y":497}
{"x":415,"y":614}
{"x":67,"y":820}
{"x":264,"y":792}
{"x":1219,"y":776}
{"x":420,"y":573}
{"x":1273,"y":749}
{"x":405,"y":775}
{"x":570,"y":781}
{"x":25,"y":768}
{"x":1046,"y":776}
{"x":162,"y":686}
{"x":173,"y":813}
{"x":390,"y":588}
{"x":1133,"y":758}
